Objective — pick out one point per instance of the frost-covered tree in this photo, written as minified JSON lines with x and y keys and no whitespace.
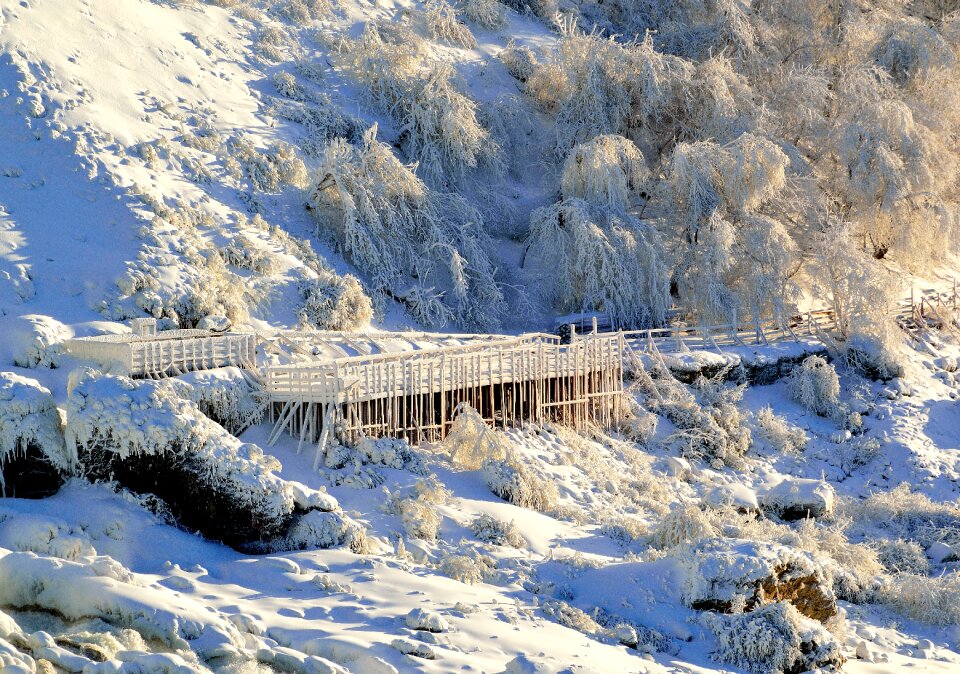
{"x":425,"y":248}
{"x":590,"y":258}
{"x":606,"y":171}
{"x":734,"y":260}
{"x":438,"y":125}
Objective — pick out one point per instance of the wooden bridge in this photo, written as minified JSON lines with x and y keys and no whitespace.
{"x":414,"y":394}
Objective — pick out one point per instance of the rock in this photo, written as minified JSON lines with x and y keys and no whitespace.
{"x":925,"y":645}
{"x":717,"y":572}
{"x":677,"y":466}
{"x":940,"y":552}
{"x":418,"y":650}
{"x":214,"y":323}
{"x":946,"y":363}
{"x":627,"y":636}
{"x":863,"y":651}
{"x":33,"y":457}
{"x":797,"y":498}
{"x":739,"y":496}
{"x":426,"y":620}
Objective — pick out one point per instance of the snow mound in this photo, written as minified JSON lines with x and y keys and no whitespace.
{"x":34,"y":340}
{"x":152,"y":441}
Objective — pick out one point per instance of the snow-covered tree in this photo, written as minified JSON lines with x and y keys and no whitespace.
{"x":425,"y":248}
{"x":591,"y":258}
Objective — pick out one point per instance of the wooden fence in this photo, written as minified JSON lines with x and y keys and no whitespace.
{"x":166,"y":353}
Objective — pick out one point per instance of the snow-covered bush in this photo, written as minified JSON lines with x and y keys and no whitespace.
{"x":520,"y":62}
{"x":488,"y":14}
{"x":815,"y":385}
{"x":608,"y":171}
{"x":570,"y":616}
{"x":589,"y":258}
{"x":782,"y":436}
{"x":900,"y":556}
{"x":402,"y":234}
{"x":393,"y":453}
{"x":304,"y":11}
{"x":319,"y":529}
{"x":440,"y":127}
{"x":491,"y":530}
{"x":901,"y":513}
{"x":774,"y":639}
{"x":710,"y":425}
{"x":270,"y":169}
{"x":419,"y":518}
{"x":470,"y":569}
{"x":516,"y":484}
{"x":443,"y":24}
{"x":934,"y":601}
{"x":685,"y":524}
{"x":471,"y":442}
{"x":332,"y":302}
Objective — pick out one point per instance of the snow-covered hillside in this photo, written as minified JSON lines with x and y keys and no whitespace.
{"x":481,"y":166}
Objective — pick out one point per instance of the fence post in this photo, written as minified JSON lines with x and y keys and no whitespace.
{"x":594,"y":325}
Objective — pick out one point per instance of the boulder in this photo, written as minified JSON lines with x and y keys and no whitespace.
{"x":797,"y":498}
{"x":722,"y":574}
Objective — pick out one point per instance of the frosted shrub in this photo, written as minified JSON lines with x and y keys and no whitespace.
{"x":304,"y":11}
{"x":815,"y":385}
{"x":904,"y":514}
{"x":488,"y":14}
{"x":491,"y":530}
{"x":516,"y":484}
{"x":443,"y":24}
{"x":570,"y":616}
{"x":860,"y":293}
{"x":419,"y":519}
{"x":637,"y":424}
{"x":900,"y":556}
{"x":332,"y":302}
{"x":440,"y":127}
{"x":270,"y":169}
{"x":935,"y":601}
{"x":686,"y":524}
{"x":782,"y":436}
{"x":607,"y":171}
{"x":36,"y":341}
{"x":471,"y":442}
{"x":520,"y":62}
{"x":243,"y":252}
{"x":393,"y":453}
{"x":592,"y":259}
{"x":402,"y":233}
{"x":469,"y":569}
{"x":774,"y":638}
{"x":711,"y":426}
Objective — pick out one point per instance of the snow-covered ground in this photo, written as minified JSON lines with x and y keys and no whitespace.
{"x":146,"y":167}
